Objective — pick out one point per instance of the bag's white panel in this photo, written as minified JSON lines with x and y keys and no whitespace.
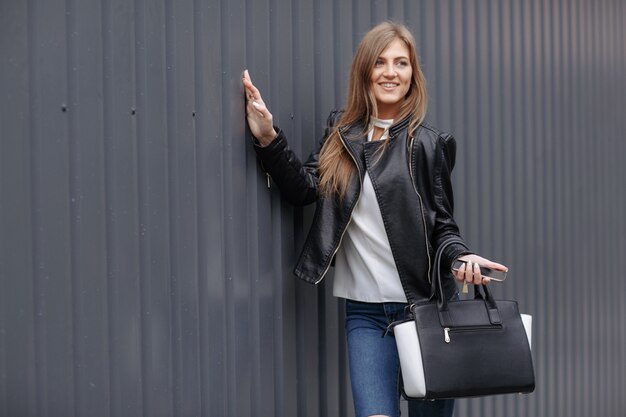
{"x":411,"y":359}
{"x":527,"y":320}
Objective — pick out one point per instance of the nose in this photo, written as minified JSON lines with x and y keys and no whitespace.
{"x":390,"y":71}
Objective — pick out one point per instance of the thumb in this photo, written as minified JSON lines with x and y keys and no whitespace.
{"x":262,"y":110}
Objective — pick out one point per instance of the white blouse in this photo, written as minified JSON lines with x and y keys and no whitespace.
{"x":364,"y":265}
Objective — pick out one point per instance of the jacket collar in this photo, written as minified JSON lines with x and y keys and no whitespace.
{"x":397,"y":127}
{"x":357,"y":130}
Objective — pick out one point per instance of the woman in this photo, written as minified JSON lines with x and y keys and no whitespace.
{"x":380,"y":178}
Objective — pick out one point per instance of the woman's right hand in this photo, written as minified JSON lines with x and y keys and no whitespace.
{"x":259,"y":117}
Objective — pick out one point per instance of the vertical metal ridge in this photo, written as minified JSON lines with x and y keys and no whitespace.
{"x":172,"y":207}
{"x":551,"y":199}
{"x":482,"y":125}
{"x":168,"y":192}
{"x":496,"y":136}
{"x":464,"y":119}
{"x":143,"y":215}
{"x":33,"y":88}
{"x":620,"y":379}
{"x":135,"y":208}
{"x":599,"y":181}
{"x":593,"y":170}
{"x":543,"y":377}
{"x":218,"y":331}
{"x":577,"y":314}
{"x":198,"y":120}
{"x":590,"y":407}
{"x":620,"y":247}
{"x":107,"y":86}
{"x":569,"y":155}
{"x":560,"y":191}
{"x":610,"y":186}
{"x":229,"y":358}
{"x":72,"y":100}
{"x":520,"y":149}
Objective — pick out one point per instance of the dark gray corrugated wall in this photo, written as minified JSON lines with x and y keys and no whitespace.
{"x":145,"y":267}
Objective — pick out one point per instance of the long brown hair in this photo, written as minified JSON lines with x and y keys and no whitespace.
{"x":336,"y":166}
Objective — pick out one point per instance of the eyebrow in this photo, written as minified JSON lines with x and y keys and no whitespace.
{"x":398,"y":57}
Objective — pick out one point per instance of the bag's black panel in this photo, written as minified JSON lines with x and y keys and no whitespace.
{"x":478,"y":358}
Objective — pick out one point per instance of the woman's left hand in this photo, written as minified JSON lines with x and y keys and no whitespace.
{"x":469,"y":272}
{"x":259,"y":116}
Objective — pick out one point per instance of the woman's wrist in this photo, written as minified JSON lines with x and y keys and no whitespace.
{"x":265,"y":140}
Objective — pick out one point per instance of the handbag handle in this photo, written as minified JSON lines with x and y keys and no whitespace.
{"x":442,"y":302}
{"x":436,"y":290}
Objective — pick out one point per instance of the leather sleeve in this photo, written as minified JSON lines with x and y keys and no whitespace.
{"x":445,"y":225}
{"x":297,"y":181}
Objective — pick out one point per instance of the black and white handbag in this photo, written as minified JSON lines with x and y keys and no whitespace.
{"x":464,"y":348}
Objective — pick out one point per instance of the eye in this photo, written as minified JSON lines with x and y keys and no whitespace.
{"x":379,"y":63}
{"x":403,"y":63}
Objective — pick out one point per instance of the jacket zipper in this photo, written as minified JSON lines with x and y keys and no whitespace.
{"x":421,"y":203}
{"x":268,"y":177}
{"x":349,"y":220}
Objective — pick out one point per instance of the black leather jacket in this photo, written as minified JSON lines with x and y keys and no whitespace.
{"x":411,"y":178}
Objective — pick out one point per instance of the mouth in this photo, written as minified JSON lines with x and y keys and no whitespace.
{"x":388,"y":85}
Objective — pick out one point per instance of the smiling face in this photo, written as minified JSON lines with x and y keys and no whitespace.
{"x":391,"y":79}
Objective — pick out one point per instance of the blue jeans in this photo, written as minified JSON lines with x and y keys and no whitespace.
{"x":374,"y":363}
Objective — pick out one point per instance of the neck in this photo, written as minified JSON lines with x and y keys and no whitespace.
{"x":387,"y":111}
